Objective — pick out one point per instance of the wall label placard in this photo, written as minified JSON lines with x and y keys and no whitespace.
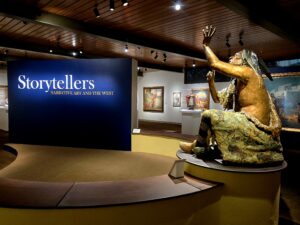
{"x":80,"y":103}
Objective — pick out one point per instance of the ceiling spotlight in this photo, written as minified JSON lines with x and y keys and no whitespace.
{"x":111,"y":5}
{"x":229,"y":54}
{"x":126,"y":48}
{"x":50,"y":50}
{"x":227,"y":40}
{"x":194,"y":64}
{"x":73,"y":42}
{"x":165,"y":57}
{"x":241,"y":37}
{"x":125,"y":2}
{"x":177,"y":5}
{"x":80,"y":52}
{"x":241,"y":42}
{"x":74,"y":54}
{"x":5,"y":52}
{"x":96,"y":11}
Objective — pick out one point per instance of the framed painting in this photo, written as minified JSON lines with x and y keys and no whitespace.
{"x":153,"y":99}
{"x":3,"y":95}
{"x":176,"y":99}
{"x":201,"y":98}
{"x":285,"y":92}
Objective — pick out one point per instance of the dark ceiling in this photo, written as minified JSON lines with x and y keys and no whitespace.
{"x":156,"y":34}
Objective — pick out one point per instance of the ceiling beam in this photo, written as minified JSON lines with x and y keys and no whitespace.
{"x":268,"y":15}
{"x":161,"y":67}
{"x":17,"y":44}
{"x":35,"y":16}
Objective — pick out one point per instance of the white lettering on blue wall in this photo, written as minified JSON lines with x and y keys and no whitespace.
{"x":67,"y":84}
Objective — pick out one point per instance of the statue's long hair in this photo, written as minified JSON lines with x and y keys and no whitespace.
{"x":256,"y":63}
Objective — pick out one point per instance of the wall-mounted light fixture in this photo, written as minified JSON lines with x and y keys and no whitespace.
{"x":126,"y":48}
{"x":194,"y":64}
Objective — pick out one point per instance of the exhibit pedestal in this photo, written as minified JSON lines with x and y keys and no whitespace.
{"x":190,"y":121}
{"x":250,"y":195}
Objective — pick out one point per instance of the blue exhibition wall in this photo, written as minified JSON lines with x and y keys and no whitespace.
{"x":79,"y":103}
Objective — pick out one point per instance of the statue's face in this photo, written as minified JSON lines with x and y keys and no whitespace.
{"x":236,"y":59}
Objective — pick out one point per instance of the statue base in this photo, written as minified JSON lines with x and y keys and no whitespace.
{"x":250,"y":195}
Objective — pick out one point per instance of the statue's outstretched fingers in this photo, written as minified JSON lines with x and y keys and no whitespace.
{"x":213,"y":31}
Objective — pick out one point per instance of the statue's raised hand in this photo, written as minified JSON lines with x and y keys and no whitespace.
{"x":210,"y":76}
{"x":208,"y":33}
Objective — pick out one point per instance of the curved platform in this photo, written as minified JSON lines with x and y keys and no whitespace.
{"x":60,"y":177}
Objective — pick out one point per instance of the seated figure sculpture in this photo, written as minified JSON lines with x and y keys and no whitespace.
{"x":247,"y":131}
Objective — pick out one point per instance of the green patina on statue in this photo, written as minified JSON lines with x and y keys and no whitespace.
{"x":248,"y":130}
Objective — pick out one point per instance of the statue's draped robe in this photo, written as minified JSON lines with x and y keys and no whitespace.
{"x":242,"y":138}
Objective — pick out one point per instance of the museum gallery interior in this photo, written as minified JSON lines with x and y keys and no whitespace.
{"x":177,"y":112}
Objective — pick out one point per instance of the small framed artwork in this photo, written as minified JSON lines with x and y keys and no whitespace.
{"x":3,"y":95}
{"x":176,"y":99}
{"x":153,"y":99}
{"x":201,"y":98}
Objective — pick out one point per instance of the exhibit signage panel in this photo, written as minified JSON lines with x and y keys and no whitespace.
{"x":82,"y":103}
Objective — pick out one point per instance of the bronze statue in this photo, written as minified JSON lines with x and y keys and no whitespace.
{"x":248,"y":130}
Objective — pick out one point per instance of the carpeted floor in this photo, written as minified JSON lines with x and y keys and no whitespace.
{"x":66,"y":164}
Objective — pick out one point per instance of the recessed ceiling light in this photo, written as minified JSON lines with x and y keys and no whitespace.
{"x":177,"y":5}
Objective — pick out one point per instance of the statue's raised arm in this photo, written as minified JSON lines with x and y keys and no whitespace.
{"x":232,"y":69}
